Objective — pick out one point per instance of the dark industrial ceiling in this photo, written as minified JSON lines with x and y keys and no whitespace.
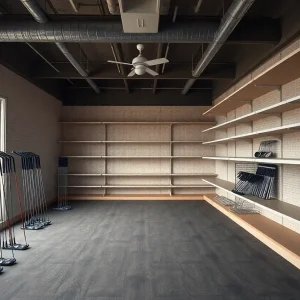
{"x":258,"y":34}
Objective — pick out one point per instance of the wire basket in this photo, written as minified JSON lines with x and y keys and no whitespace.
{"x":242,"y":206}
{"x":224,"y":201}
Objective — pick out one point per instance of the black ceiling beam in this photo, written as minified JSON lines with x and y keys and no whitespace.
{"x":107,"y":71}
{"x":138,"y":98}
{"x":256,"y":31}
{"x":249,"y":30}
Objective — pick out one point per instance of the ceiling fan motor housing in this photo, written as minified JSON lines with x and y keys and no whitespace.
{"x":137,"y":62}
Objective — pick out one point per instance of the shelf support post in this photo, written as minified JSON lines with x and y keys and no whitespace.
{"x":105,"y":154}
{"x":171,"y":160}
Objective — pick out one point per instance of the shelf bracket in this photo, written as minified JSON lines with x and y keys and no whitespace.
{"x":275,"y":86}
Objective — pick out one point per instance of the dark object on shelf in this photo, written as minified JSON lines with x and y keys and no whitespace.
{"x":62,"y":189}
{"x":266,"y":149}
{"x":260,"y":184}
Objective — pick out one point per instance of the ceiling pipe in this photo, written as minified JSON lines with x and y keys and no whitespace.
{"x":105,"y":32}
{"x":198,"y":5}
{"x":43,"y":57}
{"x":230,"y":20}
{"x":35,"y":10}
{"x":113,"y":7}
{"x":118,"y":55}
{"x":40,"y":16}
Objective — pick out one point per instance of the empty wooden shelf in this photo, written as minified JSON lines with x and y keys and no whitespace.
{"x":279,"y":207}
{"x":276,"y":161}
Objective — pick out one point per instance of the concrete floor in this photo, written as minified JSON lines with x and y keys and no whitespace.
{"x":135,"y":250}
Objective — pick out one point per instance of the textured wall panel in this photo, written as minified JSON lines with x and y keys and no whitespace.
{"x":244,"y":148}
{"x":32,"y":118}
{"x":291,"y":185}
{"x":290,"y":48}
{"x":291,"y":145}
{"x":221,"y":150}
{"x":266,"y":100}
{"x":291,"y":89}
{"x":267,"y":123}
{"x":290,"y":117}
{"x":243,"y":110}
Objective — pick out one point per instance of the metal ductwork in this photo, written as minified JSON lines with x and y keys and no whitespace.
{"x":76,"y":65}
{"x":113,"y":7}
{"x":35,"y":10}
{"x":105,"y":32}
{"x":230,"y":20}
{"x":40,"y":16}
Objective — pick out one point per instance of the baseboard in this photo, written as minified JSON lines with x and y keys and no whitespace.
{"x":136,"y":197}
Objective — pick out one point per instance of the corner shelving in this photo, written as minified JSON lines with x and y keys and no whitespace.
{"x":280,"y":107}
{"x":131,"y":142}
{"x":136,"y":123}
{"x":276,"y":161}
{"x":147,"y":175}
{"x":140,"y":186}
{"x":279,"y":207}
{"x":252,"y":135}
{"x":280,"y":73}
{"x":130,"y":156}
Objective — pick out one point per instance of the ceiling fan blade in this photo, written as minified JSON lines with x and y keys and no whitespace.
{"x":131,"y":73}
{"x":151,"y":72}
{"x":118,"y":62}
{"x":155,"y":62}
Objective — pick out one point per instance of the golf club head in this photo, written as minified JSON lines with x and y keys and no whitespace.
{"x":7,"y":261}
{"x":32,"y":227}
{"x":1,"y":269}
{"x":17,"y":247}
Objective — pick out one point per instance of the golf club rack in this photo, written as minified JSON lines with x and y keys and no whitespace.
{"x":35,"y":206}
{"x":260,"y":180}
{"x":7,"y":231}
{"x":62,"y":185}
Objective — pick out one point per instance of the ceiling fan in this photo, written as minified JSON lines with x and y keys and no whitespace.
{"x":140,"y":63}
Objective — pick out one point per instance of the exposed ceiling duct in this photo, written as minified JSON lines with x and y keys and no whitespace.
{"x":40,"y":16}
{"x":105,"y":32}
{"x":113,"y":7}
{"x":230,"y":20}
{"x":35,"y":10}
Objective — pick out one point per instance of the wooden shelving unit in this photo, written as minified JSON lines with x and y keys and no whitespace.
{"x":141,"y":186}
{"x":132,"y":142}
{"x":280,"y":107}
{"x":279,"y":207}
{"x":282,"y":240}
{"x":165,"y":139}
{"x":131,"y":157}
{"x":280,"y":73}
{"x":275,"y":161}
{"x":261,"y":133}
{"x":147,"y":175}
{"x":136,"y":123}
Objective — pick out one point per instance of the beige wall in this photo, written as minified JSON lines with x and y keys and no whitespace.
{"x":32,"y":124}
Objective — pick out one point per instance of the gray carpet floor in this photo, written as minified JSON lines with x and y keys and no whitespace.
{"x":135,"y":250}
